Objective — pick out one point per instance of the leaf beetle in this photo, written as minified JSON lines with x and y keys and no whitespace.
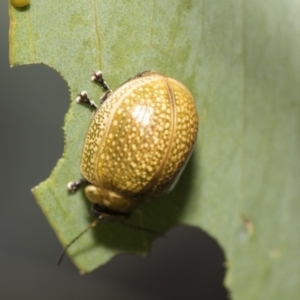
{"x":139,"y":140}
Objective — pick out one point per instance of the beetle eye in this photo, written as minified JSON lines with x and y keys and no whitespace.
{"x":96,"y":210}
{"x":100,"y":211}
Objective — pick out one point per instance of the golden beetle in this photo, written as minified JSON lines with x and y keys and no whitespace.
{"x":139,"y":141}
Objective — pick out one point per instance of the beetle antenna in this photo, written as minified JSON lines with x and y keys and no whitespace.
{"x":61,"y":256}
{"x":152,"y":231}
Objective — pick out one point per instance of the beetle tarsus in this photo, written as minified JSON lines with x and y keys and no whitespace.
{"x":73,"y":186}
{"x":97,"y":77}
{"x":83,"y":98}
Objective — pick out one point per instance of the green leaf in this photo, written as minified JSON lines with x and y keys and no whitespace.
{"x":241,"y":61}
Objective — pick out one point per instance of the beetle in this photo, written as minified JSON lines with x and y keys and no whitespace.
{"x":19,"y":3}
{"x":139,"y":140}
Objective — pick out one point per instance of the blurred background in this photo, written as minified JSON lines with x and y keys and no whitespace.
{"x":34,"y":100}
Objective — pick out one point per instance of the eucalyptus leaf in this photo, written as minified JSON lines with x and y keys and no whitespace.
{"x":241,"y":61}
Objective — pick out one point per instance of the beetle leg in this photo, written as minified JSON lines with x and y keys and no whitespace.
{"x":83,"y":98}
{"x":97,"y":77}
{"x":139,"y":75}
{"x":73,"y":186}
{"x":104,"y":96}
{"x":147,"y":72}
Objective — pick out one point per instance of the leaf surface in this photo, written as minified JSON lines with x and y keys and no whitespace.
{"x":241,"y":61}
